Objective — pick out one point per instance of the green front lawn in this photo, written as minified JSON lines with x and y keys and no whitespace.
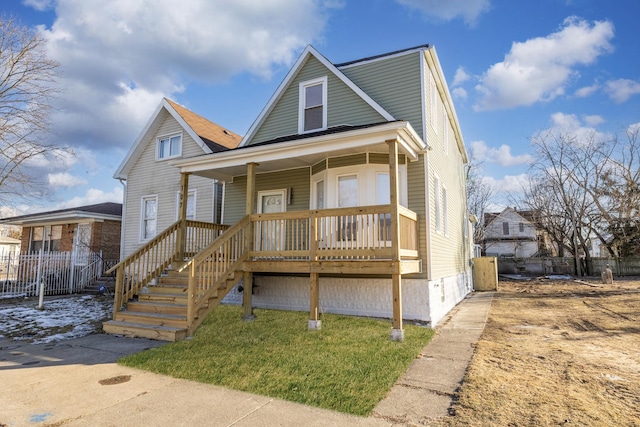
{"x":348,"y":366}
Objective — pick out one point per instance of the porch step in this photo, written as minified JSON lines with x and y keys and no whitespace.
{"x":157,"y":307}
{"x":166,"y":288}
{"x":154,"y":332}
{"x":156,"y":319}
{"x":173,"y":278}
{"x":164,"y":298}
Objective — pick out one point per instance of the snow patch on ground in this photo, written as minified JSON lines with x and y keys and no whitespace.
{"x":61,"y":319}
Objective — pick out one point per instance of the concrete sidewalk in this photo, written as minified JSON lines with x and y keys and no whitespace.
{"x":78,"y":383}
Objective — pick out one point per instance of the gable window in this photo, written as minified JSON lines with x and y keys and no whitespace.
{"x":505,"y":228}
{"x":521,"y":227}
{"x":170,"y":146}
{"x":312,"y":105}
{"x":149,"y":217}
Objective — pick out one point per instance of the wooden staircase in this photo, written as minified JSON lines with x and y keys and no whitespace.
{"x":159,"y":311}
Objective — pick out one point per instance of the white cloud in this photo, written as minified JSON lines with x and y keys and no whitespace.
{"x":65,"y":180}
{"x":539,"y":69}
{"x":448,"y":10}
{"x":622,"y":89}
{"x":586,"y":91}
{"x":54,"y":159}
{"x":511,"y":184}
{"x":570,"y":124}
{"x":93,"y":196}
{"x":502,"y":156}
{"x":594,"y":120}
{"x":459,"y":93}
{"x":39,"y":5}
{"x":119,"y":57}
{"x":460,"y":77}
{"x":634,"y":128}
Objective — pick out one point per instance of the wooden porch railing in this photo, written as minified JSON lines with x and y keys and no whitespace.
{"x":141,"y":267}
{"x":212,"y":266}
{"x":361,"y":233}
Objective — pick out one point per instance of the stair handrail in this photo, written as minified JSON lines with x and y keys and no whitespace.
{"x":223,"y":256}
{"x":138,"y":269}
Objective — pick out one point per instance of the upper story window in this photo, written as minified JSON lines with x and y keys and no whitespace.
{"x":505,"y":228}
{"x":312,"y":113}
{"x":170,"y":146}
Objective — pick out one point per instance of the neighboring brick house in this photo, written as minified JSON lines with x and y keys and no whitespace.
{"x":94,"y":228}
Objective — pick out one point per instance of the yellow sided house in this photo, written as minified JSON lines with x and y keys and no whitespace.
{"x":346,"y":195}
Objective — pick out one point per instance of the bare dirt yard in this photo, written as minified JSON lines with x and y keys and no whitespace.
{"x":556,"y":353}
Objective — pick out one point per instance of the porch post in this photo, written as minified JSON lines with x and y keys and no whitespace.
{"x":397,"y":333}
{"x":247,"y":303}
{"x":181,"y":238}
{"x":314,"y":302}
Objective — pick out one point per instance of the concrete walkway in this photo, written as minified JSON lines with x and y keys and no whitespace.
{"x":78,"y":383}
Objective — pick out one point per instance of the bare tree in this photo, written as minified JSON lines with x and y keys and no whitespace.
{"x":618,"y":198}
{"x":27,"y":89}
{"x":479,"y":195}
{"x":586,"y":188}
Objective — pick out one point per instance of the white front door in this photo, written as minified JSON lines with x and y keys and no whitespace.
{"x":270,"y":233}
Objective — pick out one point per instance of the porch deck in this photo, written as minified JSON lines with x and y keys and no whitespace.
{"x":354,"y":241}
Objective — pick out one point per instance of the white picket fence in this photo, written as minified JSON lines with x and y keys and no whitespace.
{"x":59,"y":272}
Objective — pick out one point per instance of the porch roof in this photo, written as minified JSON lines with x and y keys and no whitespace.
{"x":306,"y":150}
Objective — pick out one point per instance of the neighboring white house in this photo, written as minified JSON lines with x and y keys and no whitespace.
{"x":151,"y":184}
{"x":510,"y":234}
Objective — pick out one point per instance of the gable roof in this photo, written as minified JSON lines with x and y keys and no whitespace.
{"x":528,"y":216}
{"x":309,"y":51}
{"x":213,"y":135}
{"x":209,"y":136}
{"x":100,"y":211}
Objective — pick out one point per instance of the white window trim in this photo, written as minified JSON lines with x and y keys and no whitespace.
{"x":141,"y":224}
{"x":337,"y":187}
{"x":433,"y":93}
{"x":214,"y":201}
{"x":168,"y":136}
{"x":445,"y":210}
{"x":195,"y":203}
{"x":366,"y":175}
{"x":301,"y":99}
{"x":436,"y":205}
{"x":315,"y":179}
{"x":280,"y":192}
{"x":445,"y":132}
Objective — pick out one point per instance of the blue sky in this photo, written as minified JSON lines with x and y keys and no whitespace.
{"x":514,"y":68}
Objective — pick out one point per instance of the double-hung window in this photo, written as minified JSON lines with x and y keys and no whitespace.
{"x":149,"y":217}
{"x":313,"y":105}
{"x":437,"y":206}
{"x":170,"y":146}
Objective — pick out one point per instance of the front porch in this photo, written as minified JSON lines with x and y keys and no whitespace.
{"x":193,"y":265}
{"x":204,"y":262}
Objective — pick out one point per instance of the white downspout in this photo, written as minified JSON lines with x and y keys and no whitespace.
{"x":124,"y":210}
